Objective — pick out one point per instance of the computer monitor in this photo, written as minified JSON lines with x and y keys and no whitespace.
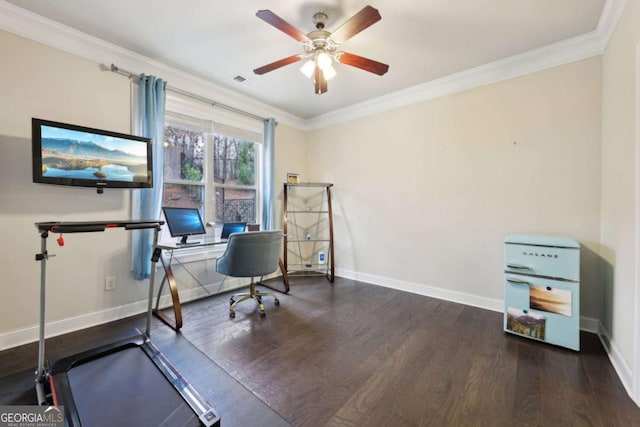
{"x":184,"y":222}
{"x":232,"y":227}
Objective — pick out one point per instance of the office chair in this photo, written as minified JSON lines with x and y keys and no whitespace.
{"x":251,"y":254}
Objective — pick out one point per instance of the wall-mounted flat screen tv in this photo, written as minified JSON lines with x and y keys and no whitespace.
{"x":67,"y":154}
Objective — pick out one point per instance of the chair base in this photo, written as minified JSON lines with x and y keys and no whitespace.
{"x":254,"y":294}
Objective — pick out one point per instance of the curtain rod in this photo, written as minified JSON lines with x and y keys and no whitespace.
{"x":114,"y":68}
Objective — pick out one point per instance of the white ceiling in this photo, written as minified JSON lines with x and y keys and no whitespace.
{"x":421,"y":40}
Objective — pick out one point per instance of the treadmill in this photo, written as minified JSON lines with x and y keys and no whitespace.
{"x":128,"y":382}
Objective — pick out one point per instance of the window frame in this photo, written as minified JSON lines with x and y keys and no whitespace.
{"x":221,"y":122}
{"x":203,"y":182}
{"x":257,"y":181}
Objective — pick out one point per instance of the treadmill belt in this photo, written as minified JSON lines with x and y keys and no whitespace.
{"x":125,"y":388}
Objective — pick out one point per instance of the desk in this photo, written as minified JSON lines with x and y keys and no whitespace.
{"x":169,"y":248}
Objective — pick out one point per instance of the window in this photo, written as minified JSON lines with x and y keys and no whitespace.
{"x":212,"y":167}
{"x":184,"y":165}
{"x":234,"y":168}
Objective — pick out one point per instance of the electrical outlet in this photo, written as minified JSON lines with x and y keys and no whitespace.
{"x":110,"y":283}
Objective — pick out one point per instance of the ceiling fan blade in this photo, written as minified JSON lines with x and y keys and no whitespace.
{"x":319,"y":81}
{"x":282,"y":25}
{"x":275,"y":65}
{"x":361,"y":62}
{"x":358,"y":22}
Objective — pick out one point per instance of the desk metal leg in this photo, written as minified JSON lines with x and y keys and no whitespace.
{"x":175,"y":323}
{"x":285,"y":280}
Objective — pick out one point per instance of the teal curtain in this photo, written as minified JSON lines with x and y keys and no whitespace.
{"x":268,"y":176}
{"x":146,"y":203}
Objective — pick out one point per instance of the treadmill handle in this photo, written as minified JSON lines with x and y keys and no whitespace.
{"x":76,"y":228}
{"x":141,"y":226}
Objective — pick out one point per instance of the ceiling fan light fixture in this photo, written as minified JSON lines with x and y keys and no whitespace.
{"x":321,"y":46}
{"x":328,"y":71}
{"x":308,"y":68}
{"x":324,"y":60}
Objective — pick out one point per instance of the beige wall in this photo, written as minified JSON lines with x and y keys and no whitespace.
{"x":290,"y":157}
{"x":426,"y":194}
{"x":42,"y":82}
{"x":619,"y":192}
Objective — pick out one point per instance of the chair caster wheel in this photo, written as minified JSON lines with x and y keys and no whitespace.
{"x":276,"y":301}
{"x":263,"y":314}
{"x":232,"y":314}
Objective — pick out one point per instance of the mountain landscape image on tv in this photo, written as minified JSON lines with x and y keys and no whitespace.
{"x":74,"y":155}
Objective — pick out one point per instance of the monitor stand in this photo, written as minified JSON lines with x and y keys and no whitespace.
{"x":183,"y":241}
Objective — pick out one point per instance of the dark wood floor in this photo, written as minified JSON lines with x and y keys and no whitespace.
{"x":352,"y":354}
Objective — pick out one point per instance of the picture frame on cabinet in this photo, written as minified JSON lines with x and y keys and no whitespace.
{"x":526,"y":323}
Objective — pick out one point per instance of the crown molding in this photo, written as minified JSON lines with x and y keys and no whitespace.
{"x":611,"y":13}
{"x":564,"y":52}
{"x":48,"y":32}
{"x":35,"y":27}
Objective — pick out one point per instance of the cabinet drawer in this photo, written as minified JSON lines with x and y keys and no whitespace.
{"x":544,"y":261}
{"x":544,"y":309}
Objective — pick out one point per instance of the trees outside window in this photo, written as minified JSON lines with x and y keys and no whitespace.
{"x":214,"y":172}
{"x":234,"y":179}
{"x":184,"y":184}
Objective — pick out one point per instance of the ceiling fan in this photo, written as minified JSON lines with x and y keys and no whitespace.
{"x":321,"y":46}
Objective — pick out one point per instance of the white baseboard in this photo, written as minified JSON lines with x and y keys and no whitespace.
{"x":429,"y":291}
{"x":623,"y":369}
{"x":587,"y":324}
{"x":193,"y":294}
{"x":59,"y":327}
